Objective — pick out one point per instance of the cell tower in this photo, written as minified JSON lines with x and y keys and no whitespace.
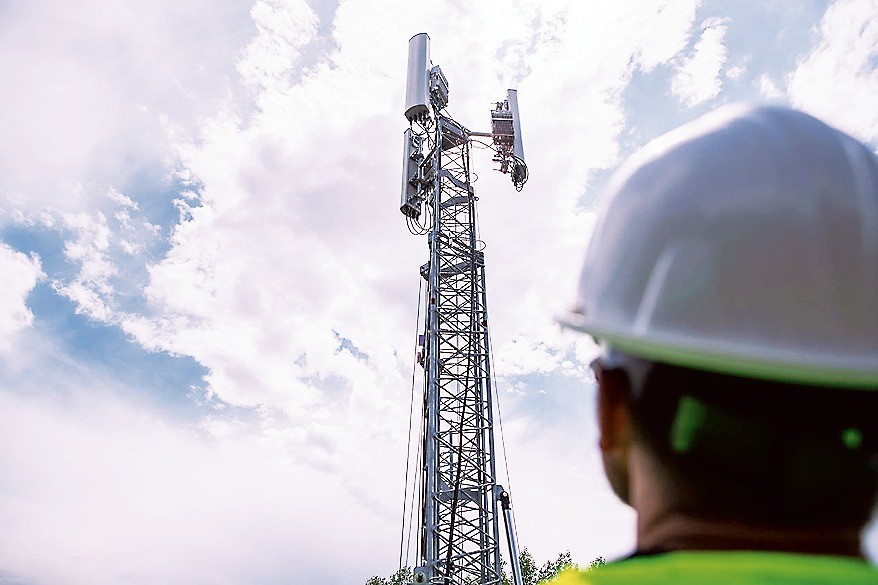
{"x":456,"y":493}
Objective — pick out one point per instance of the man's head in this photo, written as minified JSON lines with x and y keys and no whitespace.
{"x":739,"y":450}
{"x":732,"y":279}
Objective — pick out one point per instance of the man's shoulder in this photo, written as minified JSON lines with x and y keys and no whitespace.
{"x":727,"y":567}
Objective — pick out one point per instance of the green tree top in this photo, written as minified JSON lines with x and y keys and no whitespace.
{"x":531,"y":573}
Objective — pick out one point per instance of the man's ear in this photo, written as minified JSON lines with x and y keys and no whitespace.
{"x":614,"y":427}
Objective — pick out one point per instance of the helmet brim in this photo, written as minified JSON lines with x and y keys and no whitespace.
{"x":781,"y":365}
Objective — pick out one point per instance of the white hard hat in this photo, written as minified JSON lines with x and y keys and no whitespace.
{"x":745,"y":242}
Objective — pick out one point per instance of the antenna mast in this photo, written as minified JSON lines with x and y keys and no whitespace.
{"x":458,"y":539}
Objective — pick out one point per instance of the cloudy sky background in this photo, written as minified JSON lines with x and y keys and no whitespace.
{"x":207,"y":318}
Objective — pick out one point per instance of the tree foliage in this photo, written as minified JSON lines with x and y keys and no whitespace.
{"x":401,"y":577}
{"x":531,"y":572}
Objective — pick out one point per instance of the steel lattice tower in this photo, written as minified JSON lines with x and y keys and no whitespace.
{"x":459,"y":539}
{"x":460,"y":507}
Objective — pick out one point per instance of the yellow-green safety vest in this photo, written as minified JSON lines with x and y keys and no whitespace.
{"x":727,"y":568}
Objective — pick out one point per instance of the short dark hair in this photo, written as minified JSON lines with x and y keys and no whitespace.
{"x":761,"y":451}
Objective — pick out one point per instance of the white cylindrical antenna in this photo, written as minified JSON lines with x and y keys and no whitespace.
{"x":518,"y":143}
{"x":417,"y":92}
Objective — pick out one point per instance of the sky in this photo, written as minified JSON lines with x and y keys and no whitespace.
{"x":208,"y":316}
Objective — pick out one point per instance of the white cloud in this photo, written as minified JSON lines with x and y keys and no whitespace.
{"x":736,"y":71}
{"x":768,"y":89}
{"x":96,"y":247}
{"x":268,"y":259}
{"x":698,"y":75}
{"x":20,"y":275}
{"x":83,"y":85}
{"x":89,"y":247}
{"x":93,"y":245}
{"x":121,"y":199}
{"x":838,"y":80}
{"x":667,"y":35}
{"x":278,"y":250}
{"x":283,"y":28}
{"x":522,"y":356}
{"x":102,"y":491}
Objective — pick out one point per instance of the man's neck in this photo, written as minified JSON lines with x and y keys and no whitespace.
{"x":678,"y":532}
{"x":662,"y":527}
